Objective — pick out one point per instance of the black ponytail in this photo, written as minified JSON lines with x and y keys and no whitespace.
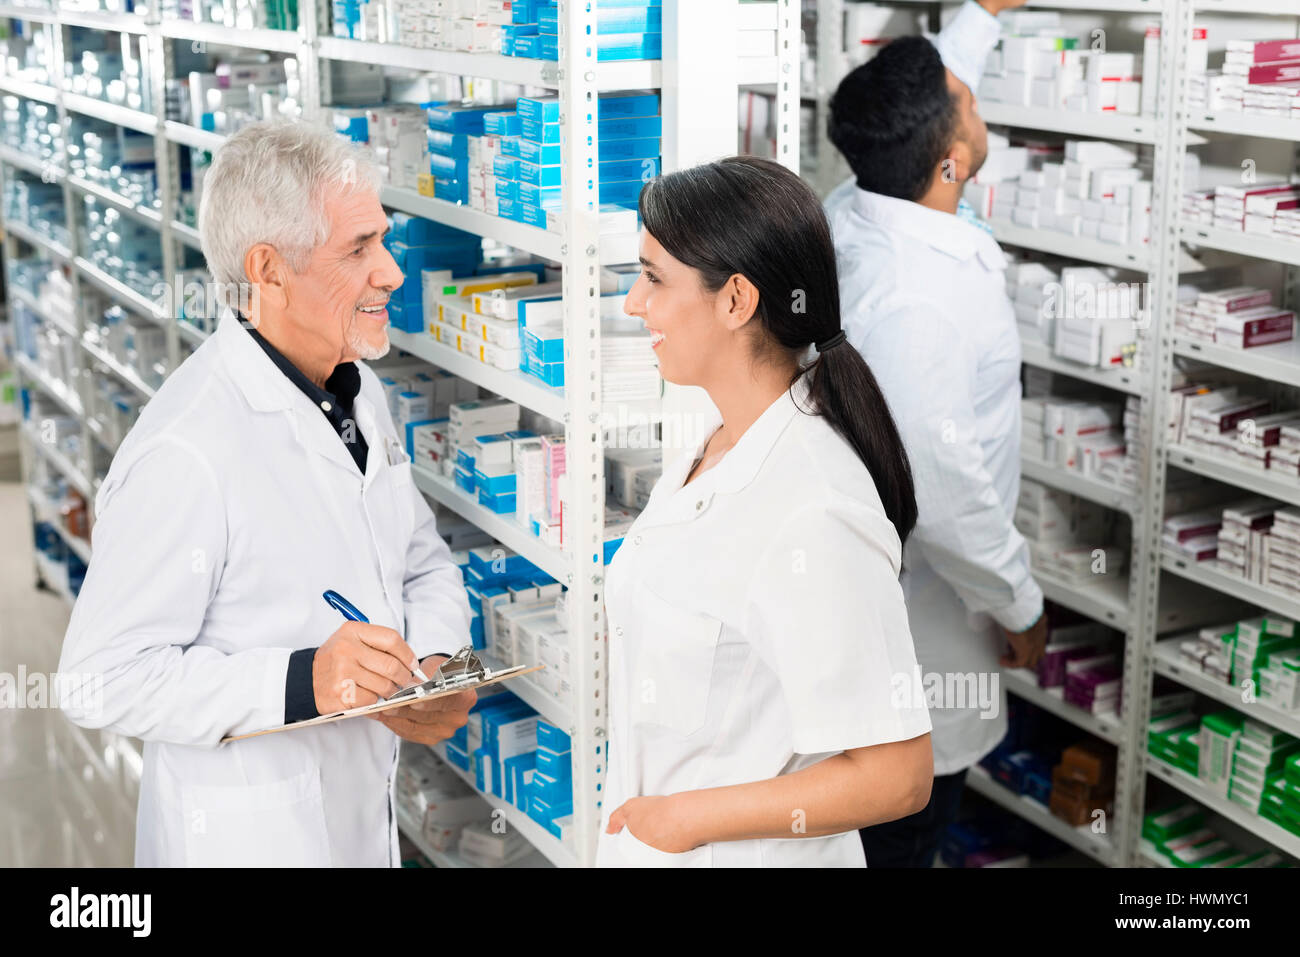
{"x":755,"y":218}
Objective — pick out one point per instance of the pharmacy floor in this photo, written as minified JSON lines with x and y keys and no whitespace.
{"x":51,"y":812}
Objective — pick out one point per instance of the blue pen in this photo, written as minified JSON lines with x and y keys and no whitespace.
{"x":352,"y":613}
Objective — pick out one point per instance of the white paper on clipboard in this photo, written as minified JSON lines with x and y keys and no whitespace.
{"x":462,"y":672}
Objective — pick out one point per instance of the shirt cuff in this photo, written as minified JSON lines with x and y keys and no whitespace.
{"x":299,"y":694}
{"x":1021,"y":614}
{"x":965,"y":43}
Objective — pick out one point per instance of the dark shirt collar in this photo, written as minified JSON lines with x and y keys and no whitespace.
{"x":341,"y":388}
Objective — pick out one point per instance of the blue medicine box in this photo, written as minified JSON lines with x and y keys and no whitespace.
{"x":610,"y":47}
{"x":507,"y":189}
{"x":629,"y":148}
{"x":455,"y":118}
{"x":464,"y":460}
{"x":550,"y":349}
{"x":508,"y":208}
{"x":553,"y":791}
{"x":608,"y":128}
{"x":529,"y":46}
{"x":456,"y":756}
{"x":493,"y":485}
{"x":543,"y":154}
{"x":543,"y":811}
{"x":511,"y":770}
{"x":501,"y":504}
{"x":464,"y":480}
{"x":505,"y":167}
{"x":452,"y":190}
{"x":449,"y":167}
{"x":552,"y":373}
{"x":476,"y":635}
{"x":532,"y":215}
{"x":547,"y":197}
{"x":510,"y":146}
{"x":627,"y":19}
{"x":555,"y":765}
{"x":447,"y":144}
{"x":525,"y":11}
{"x":625,"y":194}
{"x":547,"y":108}
{"x":418,"y":231}
{"x":501,"y":124}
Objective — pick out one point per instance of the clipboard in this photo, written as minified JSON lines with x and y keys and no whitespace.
{"x":464,"y":671}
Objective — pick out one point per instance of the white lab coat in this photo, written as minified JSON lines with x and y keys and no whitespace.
{"x":231,"y":506}
{"x":756,"y":627}
{"x":924,"y":300}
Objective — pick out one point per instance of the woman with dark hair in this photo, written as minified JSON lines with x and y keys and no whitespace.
{"x":765,"y":701}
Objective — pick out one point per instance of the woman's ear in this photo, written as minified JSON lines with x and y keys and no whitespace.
{"x":737,"y":301}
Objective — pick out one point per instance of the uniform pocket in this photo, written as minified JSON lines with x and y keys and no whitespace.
{"x":672,"y":670}
{"x":277,"y":824}
{"x":637,"y":853}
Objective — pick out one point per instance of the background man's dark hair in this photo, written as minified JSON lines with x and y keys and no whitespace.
{"x":894,"y":119}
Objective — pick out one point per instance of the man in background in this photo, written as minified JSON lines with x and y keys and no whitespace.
{"x":923,"y":296}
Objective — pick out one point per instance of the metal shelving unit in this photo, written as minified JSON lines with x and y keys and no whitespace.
{"x":691,"y":135}
{"x":1150,"y":603}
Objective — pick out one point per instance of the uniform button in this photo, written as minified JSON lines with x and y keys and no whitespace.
{"x":699,"y":505}
{"x":637,"y":540}
{"x":619,"y":631}
{"x":326,"y":406}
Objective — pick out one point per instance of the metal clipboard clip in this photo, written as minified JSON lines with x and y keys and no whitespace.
{"x":460,"y":670}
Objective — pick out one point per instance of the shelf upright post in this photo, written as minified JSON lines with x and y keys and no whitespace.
{"x":167,"y":166}
{"x":831,"y":65}
{"x":1167,"y":189}
{"x":80,"y":386}
{"x":312,"y":67}
{"x":788,"y":30}
{"x":584,"y":443}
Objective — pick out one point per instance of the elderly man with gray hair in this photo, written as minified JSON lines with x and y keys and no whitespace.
{"x":266,"y":472}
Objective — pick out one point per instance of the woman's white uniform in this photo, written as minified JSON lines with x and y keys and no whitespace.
{"x":757,"y":626}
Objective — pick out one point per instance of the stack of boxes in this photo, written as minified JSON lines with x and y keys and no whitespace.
{"x":1038,"y":66}
{"x":1178,"y":835}
{"x":516,"y":756}
{"x":1067,"y":643}
{"x":126,"y":248}
{"x":1258,"y":77}
{"x":431,"y":793}
{"x":527,"y":173}
{"x":1077,"y":435}
{"x":625,"y":30}
{"x":1069,"y":538}
{"x":419,"y":246}
{"x":452,"y":129}
{"x":1263,"y":651}
{"x":1097,"y":191}
{"x":1269,"y":209}
{"x":38,"y":205}
{"x":466,"y":314}
{"x":1083,"y":783}
{"x":1215,"y":417}
{"x":1258,"y":764}
{"x":1093,"y":683}
{"x":1239,"y":317}
{"x":468,"y":421}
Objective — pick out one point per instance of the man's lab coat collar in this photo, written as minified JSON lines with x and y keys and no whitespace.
{"x":267,"y":389}
{"x":944,"y":231}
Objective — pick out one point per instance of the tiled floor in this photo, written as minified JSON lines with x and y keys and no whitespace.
{"x":57,"y":808}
